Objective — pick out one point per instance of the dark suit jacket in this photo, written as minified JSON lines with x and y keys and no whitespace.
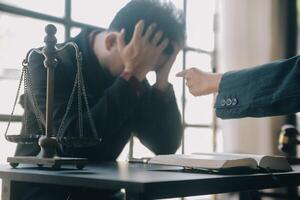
{"x":266,"y":90}
{"x":116,"y":106}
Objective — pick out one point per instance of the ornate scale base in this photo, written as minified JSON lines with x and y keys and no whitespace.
{"x":54,"y":163}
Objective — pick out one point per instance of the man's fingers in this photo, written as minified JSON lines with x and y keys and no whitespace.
{"x":120,"y":39}
{"x":189,"y":84}
{"x":182,"y":73}
{"x":149,"y":31}
{"x":193,"y":90}
{"x":163,"y":44}
{"x":157,"y":37}
{"x":138,"y":30}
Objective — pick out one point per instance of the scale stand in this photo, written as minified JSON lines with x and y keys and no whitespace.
{"x":48,"y":143}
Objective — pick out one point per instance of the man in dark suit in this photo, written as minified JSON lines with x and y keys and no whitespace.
{"x":144,"y":36}
{"x":266,"y":90}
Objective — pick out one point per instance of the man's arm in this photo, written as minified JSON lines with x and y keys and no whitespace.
{"x":158,"y":121}
{"x":266,"y":90}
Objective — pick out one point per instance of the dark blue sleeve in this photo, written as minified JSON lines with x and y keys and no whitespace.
{"x":267,"y":90}
{"x":158,"y":121}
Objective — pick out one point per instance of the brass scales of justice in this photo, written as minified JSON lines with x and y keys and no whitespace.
{"x":47,"y":139}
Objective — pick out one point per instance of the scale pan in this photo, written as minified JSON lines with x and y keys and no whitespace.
{"x":23,"y":139}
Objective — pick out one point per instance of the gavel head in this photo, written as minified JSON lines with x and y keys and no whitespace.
{"x":288,"y":140}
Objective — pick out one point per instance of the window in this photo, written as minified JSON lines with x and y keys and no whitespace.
{"x":22,"y":25}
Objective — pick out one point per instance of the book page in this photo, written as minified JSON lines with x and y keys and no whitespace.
{"x":264,"y":161}
{"x":203,"y":161}
{"x":191,"y":161}
{"x":233,"y":156}
{"x":275,"y":163}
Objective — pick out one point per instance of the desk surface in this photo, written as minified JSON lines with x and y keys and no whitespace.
{"x":154,"y":181}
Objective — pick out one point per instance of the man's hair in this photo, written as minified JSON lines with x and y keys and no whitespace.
{"x":167,"y":18}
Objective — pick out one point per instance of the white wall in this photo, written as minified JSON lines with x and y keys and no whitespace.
{"x":249,"y":34}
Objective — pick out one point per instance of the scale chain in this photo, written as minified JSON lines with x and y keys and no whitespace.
{"x":15,"y":103}
{"x":92,"y":123}
{"x":79,"y":82}
{"x":79,"y":95}
{"x":40,"y":120}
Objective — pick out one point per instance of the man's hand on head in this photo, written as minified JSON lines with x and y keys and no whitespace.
{"x":163,"y":71}
{"x":141,"y":55}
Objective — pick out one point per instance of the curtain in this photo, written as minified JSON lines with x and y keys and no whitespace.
{"x":252,"y":33}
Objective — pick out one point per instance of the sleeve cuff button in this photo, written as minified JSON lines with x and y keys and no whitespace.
{"x":223,"y":102}
{"x":228,"y":102}
{"x":234,"y":101}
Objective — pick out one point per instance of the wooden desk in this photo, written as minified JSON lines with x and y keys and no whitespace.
{"x":146,"y":181}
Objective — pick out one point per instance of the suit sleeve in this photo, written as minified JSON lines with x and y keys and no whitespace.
{"x":158,"y":121}
{"x":267,"y":90}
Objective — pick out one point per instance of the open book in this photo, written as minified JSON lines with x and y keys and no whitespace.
{"x":224,"y":161}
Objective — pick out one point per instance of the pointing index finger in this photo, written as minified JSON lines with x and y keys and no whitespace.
{"x":182,"y":73}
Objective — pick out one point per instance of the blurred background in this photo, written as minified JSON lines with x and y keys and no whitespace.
{"x":222,"y":35}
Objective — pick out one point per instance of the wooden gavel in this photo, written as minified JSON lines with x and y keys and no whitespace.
{"x":288,"y":140}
